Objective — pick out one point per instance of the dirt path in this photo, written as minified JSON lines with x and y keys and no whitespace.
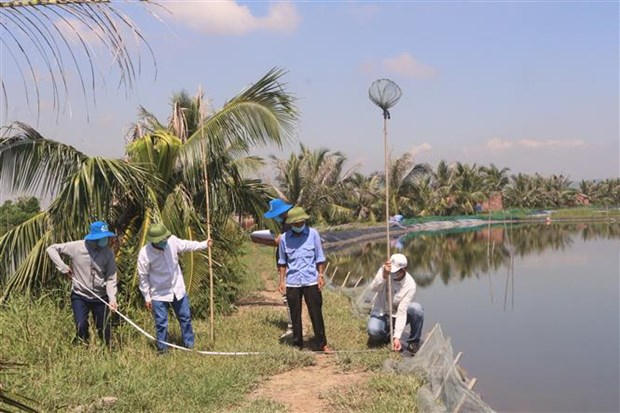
{"x":301,"y":389}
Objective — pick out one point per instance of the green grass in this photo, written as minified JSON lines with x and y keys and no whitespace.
{"x":586,"y":212}
{"x":382,"y":393}
{"x":62,"y":376}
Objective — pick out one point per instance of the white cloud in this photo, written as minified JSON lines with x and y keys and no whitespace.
{"x":497,"y":144}
{"x":227,"y":17}
{"x":418,"y":149}
{"x":407,"y":65}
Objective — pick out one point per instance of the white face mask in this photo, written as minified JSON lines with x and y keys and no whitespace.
{"x":299,"y":230}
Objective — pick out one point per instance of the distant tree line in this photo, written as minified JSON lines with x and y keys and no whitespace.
{"x":318,"y":181}
{"x":13,"y":213}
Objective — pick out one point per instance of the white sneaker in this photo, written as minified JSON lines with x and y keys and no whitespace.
{"x":288,"y":333}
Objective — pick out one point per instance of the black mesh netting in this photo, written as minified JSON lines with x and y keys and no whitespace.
{"x":384,"y":93}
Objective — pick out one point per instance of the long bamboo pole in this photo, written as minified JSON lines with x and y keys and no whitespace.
{"x":387,"y":219}
{"x":208,"y":214}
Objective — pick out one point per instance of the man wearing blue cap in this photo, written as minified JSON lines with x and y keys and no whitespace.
{"x":93,"y":275}
{"x":278,"y":210}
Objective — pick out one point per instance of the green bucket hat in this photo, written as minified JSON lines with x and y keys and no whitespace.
{"x":157,"y":233}
{"x":295,"y":215}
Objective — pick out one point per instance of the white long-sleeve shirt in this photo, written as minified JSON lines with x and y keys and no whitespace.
{"x":160,"y":275}
{"x":403,"y":292}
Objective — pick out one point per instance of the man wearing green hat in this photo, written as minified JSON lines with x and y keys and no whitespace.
{"x":93,"y":275}
{"x":162,"y":284}
{"x":301,"y":265}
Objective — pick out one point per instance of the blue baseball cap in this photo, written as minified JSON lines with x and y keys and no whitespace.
{"x":98,"y":230}
{"x":277,"y":207}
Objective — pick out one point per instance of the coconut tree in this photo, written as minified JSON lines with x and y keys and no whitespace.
{"x":523,"y":192}
{"x":558,"y":190}
{"x":587,"y":187}
{"x":466,"y":187}
{"x":404,"y":173}
{"x":441,"y":181}
{"x":607,"y":192}
{"x":424,"y":197}
{"x":494,"y":180}
{"x":315,"y":180}
{"x":161,"y":179}
{"x":362,"y":195}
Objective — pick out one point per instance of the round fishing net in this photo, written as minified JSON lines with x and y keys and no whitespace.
{"x":385,"y":94}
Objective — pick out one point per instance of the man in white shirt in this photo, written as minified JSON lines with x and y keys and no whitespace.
{"x":405,"y":311}
{"x":162,"y":284}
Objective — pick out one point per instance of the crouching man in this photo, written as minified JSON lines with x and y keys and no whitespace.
{"x":405,"y":311}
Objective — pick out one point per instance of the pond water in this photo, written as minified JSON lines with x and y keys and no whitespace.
{"x":534,"y":308}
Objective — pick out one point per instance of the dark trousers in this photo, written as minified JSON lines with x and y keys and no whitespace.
{"x":314,"y":302}
{"x":82,"y":306}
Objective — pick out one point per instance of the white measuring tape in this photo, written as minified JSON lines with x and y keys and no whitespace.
{"x":209,"y":353}
{"x":144,"y":333}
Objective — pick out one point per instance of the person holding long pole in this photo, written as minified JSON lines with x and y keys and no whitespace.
{"x":404,"y":311}
{"x":162,"y":284}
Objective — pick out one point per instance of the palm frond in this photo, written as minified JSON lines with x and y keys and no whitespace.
{"x":46,"y":32}
{"x":18,"y":242}
{"x":22,"y":255}
{"x":157,"y":152}
{"x":264,"y":113}
{"x":93,"y":190}
{"x":32,"y":271}
{"x":28,"y":161}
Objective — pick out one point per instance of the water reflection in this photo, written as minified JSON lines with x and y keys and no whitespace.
{"x":556,"y":349}
{"x":454,"y":255}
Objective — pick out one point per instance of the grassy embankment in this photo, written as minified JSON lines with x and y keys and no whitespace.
{"x":61,"y":376}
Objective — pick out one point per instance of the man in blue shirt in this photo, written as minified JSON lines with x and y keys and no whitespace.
{"x":301,"y":265}
{"x":278,"y":210}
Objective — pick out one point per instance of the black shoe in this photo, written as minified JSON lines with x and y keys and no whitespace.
{"x":413,"y":347}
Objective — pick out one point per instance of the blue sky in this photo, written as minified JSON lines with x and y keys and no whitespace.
{"x":533,"y":86}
